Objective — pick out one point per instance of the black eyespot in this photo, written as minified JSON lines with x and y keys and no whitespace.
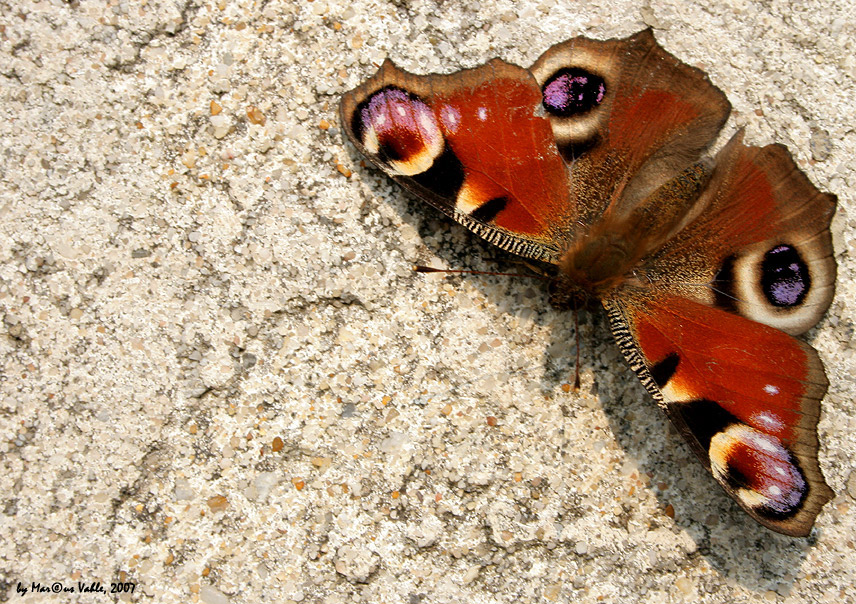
{"x":785,"y":278}
{"x":571,"y":91}
{"x":487,"y":211}
{"x":705,"y":419}
{"x":663,"y":371}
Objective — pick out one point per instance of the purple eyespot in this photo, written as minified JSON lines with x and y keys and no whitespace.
{"x":785,"y":278}
{"x":399,"y":128}
{"x":572,"y":91}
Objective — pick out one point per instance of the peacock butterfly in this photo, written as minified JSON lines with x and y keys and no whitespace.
{"x":591,"y":162}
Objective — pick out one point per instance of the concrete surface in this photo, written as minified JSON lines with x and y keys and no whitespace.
{"x":221,"y":381}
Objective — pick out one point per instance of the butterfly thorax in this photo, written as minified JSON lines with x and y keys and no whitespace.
{"x":592,"y":268}
{"x":606,"y":254}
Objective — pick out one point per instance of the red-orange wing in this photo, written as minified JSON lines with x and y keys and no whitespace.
{"x":472,"y":144}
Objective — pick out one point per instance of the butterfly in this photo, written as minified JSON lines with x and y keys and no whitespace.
{"x":593,"y":162}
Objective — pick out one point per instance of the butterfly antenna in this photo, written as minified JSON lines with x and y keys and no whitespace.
{"x":577,"y":334}
{"x":427,"y":269}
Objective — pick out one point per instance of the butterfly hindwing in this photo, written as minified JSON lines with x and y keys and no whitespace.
{"x":760,"y":245}
{"x":648,"y":117}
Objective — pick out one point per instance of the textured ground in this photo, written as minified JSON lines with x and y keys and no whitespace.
{"x":221,"y":381}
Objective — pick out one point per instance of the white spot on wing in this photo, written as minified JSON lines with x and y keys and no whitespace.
{"x":482,"y":113}
{"x":762,"y":442}
{"x":371,"y":141}
{"x":429,"y":126}
{"x":771,"y":390}
{"x":753,"y":499}
{"x":450,"y":118}
{"x":768,"y":421}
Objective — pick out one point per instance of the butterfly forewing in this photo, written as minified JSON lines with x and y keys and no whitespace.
{"x":473,"y":145}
